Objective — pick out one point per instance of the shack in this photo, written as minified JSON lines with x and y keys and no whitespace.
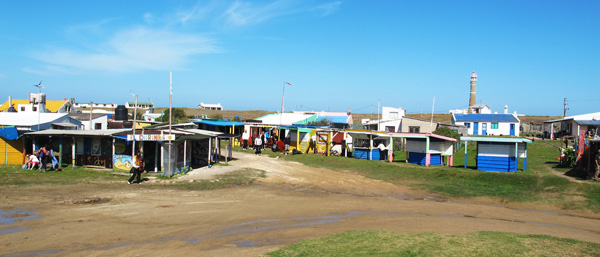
{"x":498,"y":153}
{"x":427,"y":149}
{"x":370,"y":145}
{"x":79,"y":147}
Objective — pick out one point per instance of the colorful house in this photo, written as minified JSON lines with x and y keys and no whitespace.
{"x":370,"y":145}
{"x":498,"y":153}
{"x":427,"y":148}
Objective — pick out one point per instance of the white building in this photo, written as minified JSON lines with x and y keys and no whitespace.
{"x":141,"y":105}
{"x":489,"y":124}
{"x":95,"y":105}
{"x":204,"y":106}
{"x":391,"y":120}
{"x":95,"y":121}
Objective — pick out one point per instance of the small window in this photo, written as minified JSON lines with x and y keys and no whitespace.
{"x":494,"y":125}
{"x":22,"y":108}
{"x":389,"y":128}
{"x":97,"y":126}
{"x":414,"y":129}
{"x":34,"y":109}
{"x":468,"y":124}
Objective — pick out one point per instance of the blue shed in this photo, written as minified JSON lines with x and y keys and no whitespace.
{"x":427,"y":148}
{"x":498,"y":153}
{"x":370,"y":145}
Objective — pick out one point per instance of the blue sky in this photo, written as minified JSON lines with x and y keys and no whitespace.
{"x":528,"y":55}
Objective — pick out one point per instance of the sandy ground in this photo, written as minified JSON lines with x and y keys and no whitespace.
{"x":293,"y":203}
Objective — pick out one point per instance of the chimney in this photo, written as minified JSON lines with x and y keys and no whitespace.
{"x":506,"y":109}
{"x":9,"y":101}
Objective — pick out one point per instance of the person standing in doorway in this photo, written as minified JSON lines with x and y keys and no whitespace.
{"x":137,"y":169}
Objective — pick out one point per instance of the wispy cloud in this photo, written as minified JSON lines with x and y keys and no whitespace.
{"x":164,"y":41}
{"x":130,"y":50}
{"x":328,"y":8}
{"x":245,"y":13}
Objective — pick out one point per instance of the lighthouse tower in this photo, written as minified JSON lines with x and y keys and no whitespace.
{"x":472,"y":99}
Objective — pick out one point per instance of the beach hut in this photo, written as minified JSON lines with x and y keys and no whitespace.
{"x":370,"y":145}
{"x":498,"y":153}
{"x":427,"y":149}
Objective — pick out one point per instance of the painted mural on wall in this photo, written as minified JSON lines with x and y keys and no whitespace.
{"x":122,"y":162}
{"x":93,"y":160}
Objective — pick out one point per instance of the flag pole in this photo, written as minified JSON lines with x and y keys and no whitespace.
{"x":282,"y":102}
{"x":170,"y":172}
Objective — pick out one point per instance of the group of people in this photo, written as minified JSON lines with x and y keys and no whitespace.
{"x":41,"y":159}
{"x":259,"y":141}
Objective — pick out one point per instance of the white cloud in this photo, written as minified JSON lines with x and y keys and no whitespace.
{"x":244,"y":13}
{"x":329,"y":8}
{"x":130,"y":50}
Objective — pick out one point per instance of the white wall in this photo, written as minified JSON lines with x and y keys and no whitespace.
{"x":503,"y":128}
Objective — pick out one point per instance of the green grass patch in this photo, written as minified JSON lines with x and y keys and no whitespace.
{"x":536,"y":184}
{"x":14,"y":175}
{"x":387,"y":243}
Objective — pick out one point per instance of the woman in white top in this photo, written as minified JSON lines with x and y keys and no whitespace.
{"x":32,"y":162}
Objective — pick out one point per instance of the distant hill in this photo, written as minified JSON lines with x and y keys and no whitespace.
{"x":253,"y":114}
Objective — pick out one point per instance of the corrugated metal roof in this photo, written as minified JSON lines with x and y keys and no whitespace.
{"x":486,"y":117}
{"x":51,"y":132}
{"x":588,"y":122}
{"x":219,"y":123}
{"x":335,"y":119}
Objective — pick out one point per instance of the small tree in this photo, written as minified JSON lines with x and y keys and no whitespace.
{"x":447,"y":132}
{"x":178,"y":115}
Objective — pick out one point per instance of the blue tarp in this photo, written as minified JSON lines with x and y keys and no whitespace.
{"x":9,"y":132}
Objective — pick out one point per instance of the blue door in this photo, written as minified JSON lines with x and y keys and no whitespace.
{"x":512,"y":129}
{"x":475,"y":128}
{"x":484,"y":129}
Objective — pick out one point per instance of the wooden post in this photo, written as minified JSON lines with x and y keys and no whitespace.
{"x":73,"y":152}
{"x":427,"y":153}
{"x":466,"y":143}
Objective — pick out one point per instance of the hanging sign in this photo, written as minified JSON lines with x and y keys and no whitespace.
{"x":151,"y":137}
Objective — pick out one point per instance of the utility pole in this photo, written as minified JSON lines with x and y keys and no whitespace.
{"x":565,"y":108}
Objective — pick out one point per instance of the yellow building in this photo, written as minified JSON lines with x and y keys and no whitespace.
{"x":51,"y":105}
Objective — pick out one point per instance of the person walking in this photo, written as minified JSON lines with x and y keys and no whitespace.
{"x":137,"y":169}
{"x":258,"y":145}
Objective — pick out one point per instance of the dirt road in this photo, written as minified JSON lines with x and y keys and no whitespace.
{"x":291,"y":204}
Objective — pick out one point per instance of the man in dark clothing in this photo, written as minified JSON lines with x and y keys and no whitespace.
{"x":137,"y":169}
{"x":287,"y":144}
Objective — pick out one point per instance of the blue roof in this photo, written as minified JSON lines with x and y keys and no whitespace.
{"x":588,"y":122}
{"x":486,"y":117}
{"x":222,"y":123}
{"x":334,"y":119}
